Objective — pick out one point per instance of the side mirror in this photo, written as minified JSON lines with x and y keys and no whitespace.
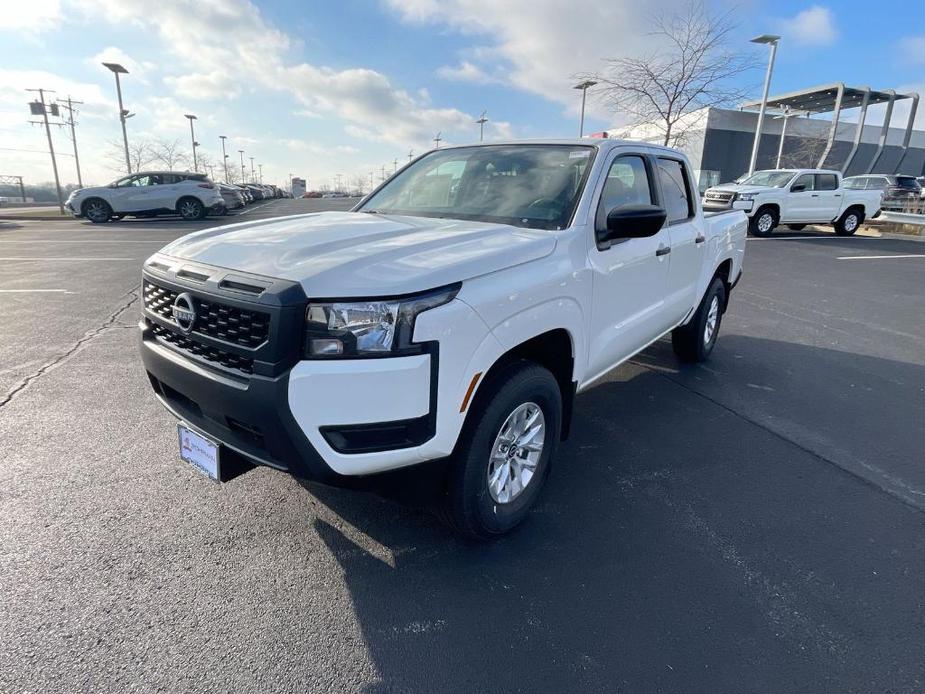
{"x":797,"y":187}
{"x":633,"y":222}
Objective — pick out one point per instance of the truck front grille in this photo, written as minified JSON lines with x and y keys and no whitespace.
{"x":238,"y":326}
{"x":207,"y":353}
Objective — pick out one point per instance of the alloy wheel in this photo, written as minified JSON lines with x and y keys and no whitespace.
{"x":516,"y":453}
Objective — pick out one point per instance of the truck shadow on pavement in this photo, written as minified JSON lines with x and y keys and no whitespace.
{"x":682,"y":543}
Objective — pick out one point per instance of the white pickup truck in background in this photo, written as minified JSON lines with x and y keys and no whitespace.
{"x":795,"y":197}
{"x":452,"y":316}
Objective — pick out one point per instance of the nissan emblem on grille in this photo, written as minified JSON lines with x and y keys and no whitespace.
{"x":184,"y":312}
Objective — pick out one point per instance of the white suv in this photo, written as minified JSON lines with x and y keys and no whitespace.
{"x":148,"y":193}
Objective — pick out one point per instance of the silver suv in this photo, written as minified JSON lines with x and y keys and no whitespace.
{"x":147,"y":193}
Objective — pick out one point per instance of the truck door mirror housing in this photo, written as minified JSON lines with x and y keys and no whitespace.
{"x":797,"y":188}
{"x":633,"y":222}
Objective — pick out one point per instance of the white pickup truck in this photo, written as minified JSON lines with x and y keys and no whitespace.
{"x":795,"y":197}
{"x":452,"y":316}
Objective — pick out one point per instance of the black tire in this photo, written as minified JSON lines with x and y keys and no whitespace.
{"x":849,"y":222}
{"x":763,"y":222}
{"x":191,"y":210}
{"x":469,"y":507}
{"x":796,"y":227}
{"x":96,"y":210}
{"x":690,"y":342}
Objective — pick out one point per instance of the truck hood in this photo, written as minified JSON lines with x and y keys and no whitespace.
{"x":344,"y":254}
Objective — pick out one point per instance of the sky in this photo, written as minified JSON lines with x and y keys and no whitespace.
{"x":320,"y":89}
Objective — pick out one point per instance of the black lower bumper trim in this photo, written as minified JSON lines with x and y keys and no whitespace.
{"x":250,"y":416}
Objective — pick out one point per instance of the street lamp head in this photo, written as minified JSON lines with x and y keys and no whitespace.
{"x":765,"y":38}
{"x":585,"y":85}
{"x":189,"y":115}
{"x":222,"y":137}
{"x":115,"y":67}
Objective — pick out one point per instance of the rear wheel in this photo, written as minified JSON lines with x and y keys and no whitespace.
{"x":695,"y":341}
{"x":97,"y":211}
{"x":848,"y":223}
{"x":763,"y":222}
{"x":191,"y":209}
{"x":504,"y":452}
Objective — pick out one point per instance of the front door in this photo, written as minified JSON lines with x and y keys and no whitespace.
{"x":686,"y":235}
{"x":801,"y":200}
{"x":630,"y":276}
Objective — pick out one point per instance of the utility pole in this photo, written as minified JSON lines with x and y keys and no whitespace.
{"x":371,"y":184}
{"x":437,"y":140}
{"x":69,"y":104}
{"x":253,"y":178}
{"x":395,"y":166}
{"x":123,"y":114}
{"x":482,"y":121}
{"x":224,"y":157}
{"x":243,"y":172}
{"x":410,"y":155}
{"x":192,"y":136}
{"x":260,"y":167}
{"x":51,"y":146}
{"x":383,"y":172}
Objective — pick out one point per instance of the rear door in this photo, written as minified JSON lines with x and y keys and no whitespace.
{"x":630,"y":276}
{"x":685,"y":235}
{"x":828,"y":197}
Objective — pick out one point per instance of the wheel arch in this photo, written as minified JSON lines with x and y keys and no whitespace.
{"x":554,"y":350}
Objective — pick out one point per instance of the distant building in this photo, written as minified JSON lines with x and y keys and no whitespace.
{"x":298,"y":187}
{"x":719,"y":141}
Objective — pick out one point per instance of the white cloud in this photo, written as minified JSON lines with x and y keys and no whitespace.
{"x":815,"y":26}
{"x":466,"y":72}
{"x":31,"y":16}
{"x":539,"y":44}
{"x":205,"y":86}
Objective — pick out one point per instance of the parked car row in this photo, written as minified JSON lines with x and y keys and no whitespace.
{"x":190,"y":195}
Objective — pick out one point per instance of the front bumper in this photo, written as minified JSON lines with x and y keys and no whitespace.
{"x":324,"y":420}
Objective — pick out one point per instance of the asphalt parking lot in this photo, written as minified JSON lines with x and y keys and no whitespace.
{"x":756,"y":523}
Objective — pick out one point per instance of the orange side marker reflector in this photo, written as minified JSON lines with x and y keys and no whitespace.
{"x":472,"y":384}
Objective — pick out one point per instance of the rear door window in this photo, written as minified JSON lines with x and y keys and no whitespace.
{"x":876,"y":183}
{"x":826,"y":182}
{"x":676,"y":189}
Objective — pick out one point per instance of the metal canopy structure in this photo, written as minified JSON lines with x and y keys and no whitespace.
{"x":834,"y":98}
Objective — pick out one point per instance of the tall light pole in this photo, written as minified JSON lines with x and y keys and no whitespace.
{"x":243,"y":172}
{"x":192,"y":136}
{"x":69,"y":104}
{"x":583,"y":86}
{"x":224,"y":156}
{"x":482,"y":121}
{"x":51,"y":146}
{"x":437,"y":140}
{"x":123,"y":114}
{"x":260,"y":167}
{"x":771,"y":40}
{"x":252,"y":169}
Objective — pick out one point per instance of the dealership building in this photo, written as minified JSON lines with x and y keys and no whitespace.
{"x":719,"y":141}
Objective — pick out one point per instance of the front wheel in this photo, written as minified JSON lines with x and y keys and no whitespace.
{"x":97,"y":211}
{"x":191,"y":209}
{"x":848,"y":223}
{"x":695,"y":341}
{"x":763,"y":222}
{"x":504,"y":453}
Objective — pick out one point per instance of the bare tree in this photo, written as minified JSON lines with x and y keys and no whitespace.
{"x":803,"y":152}
{"x":359,"y":183}
{"x":140,"y":155}
{"x":693,"y":67}
{"x":170,"y":155}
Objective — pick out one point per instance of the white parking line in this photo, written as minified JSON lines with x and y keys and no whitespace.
{"x":35,"y":291}
{"x":804,"y":238}
{"x":41,"y":259}
{"x":880,"y":257}
{"x":251,"y":209}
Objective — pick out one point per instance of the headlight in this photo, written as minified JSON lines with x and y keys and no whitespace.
{"x":368,"y":328}
{"x":745,"y":197}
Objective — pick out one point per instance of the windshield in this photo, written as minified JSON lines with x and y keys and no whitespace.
{"x":772,"y":179}
{"x":535,"y":186}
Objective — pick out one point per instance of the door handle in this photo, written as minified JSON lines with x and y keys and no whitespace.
{"x":837,"y":195}
{"x":663,"y":250}
{"x":814,"y":195}
{"x":700,"y":238}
